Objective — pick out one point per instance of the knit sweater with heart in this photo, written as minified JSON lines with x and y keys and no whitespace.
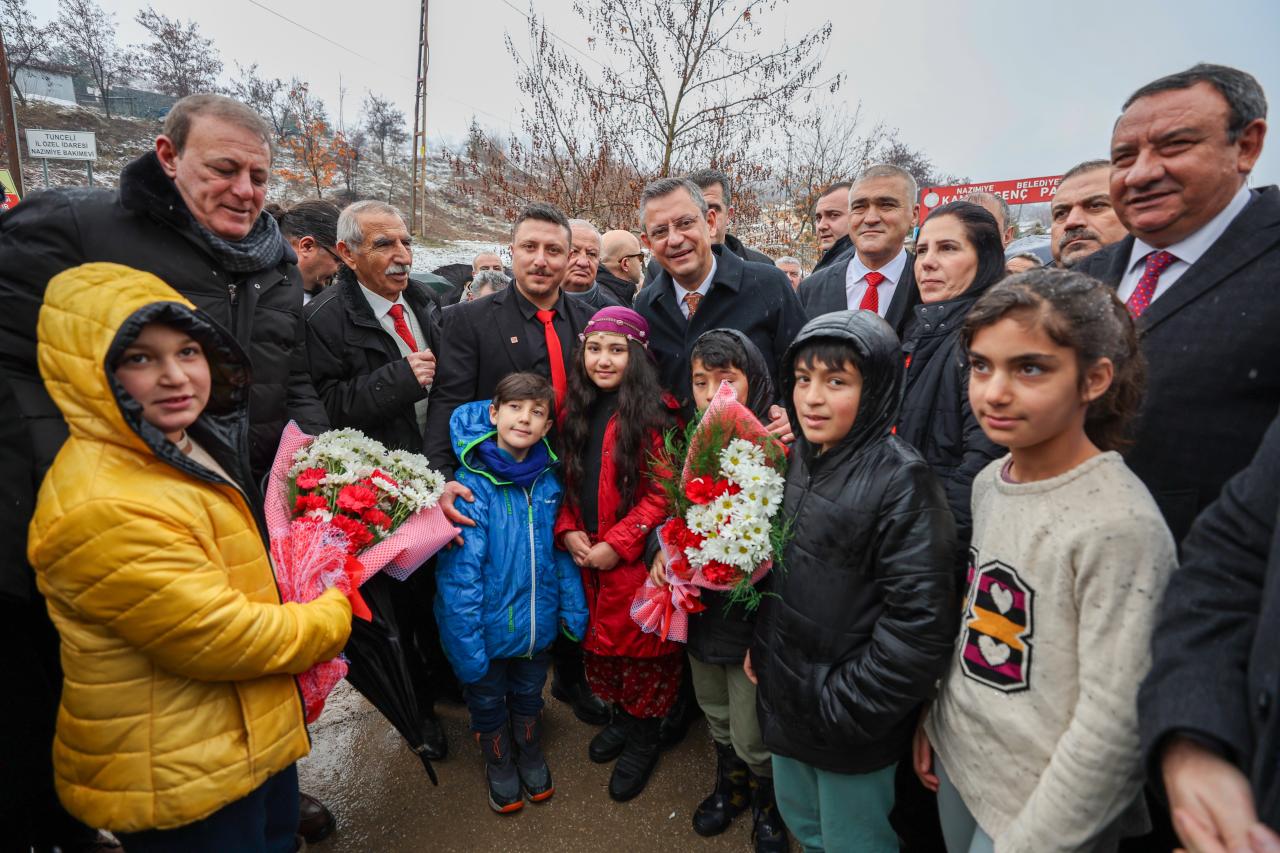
{"x":1036,"y":722}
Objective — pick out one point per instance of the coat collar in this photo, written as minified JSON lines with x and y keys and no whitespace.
{"x":1255,"y":230}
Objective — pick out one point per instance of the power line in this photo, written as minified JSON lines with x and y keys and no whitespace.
{"x":555,"y":36}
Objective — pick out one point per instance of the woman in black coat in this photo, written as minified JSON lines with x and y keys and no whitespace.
{"x":958,"y":255}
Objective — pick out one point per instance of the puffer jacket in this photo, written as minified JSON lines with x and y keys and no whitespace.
{"x":936,"y":417}
{"x":721,"y":633}
{"x":864,"y":614}
{"x":508,"y":589}
{"x":611,"y":630}
{"x":179,"y":658}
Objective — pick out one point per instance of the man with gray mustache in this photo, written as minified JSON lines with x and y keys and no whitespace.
{"x":375,"y":333}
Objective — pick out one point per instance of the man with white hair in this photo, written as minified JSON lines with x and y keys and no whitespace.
{"x":372,"y":338}
{"x":793,"y":268}
{"x":584,"y":263}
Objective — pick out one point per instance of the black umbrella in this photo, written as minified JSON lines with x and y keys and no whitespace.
{"x":379,"y":668}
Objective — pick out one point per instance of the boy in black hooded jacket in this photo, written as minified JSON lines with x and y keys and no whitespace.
{"x":863,"y":616}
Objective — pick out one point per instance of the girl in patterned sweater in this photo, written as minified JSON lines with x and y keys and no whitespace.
{"x":1032,"y":743}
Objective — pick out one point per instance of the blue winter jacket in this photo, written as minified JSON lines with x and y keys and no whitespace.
{"x":504,"y":593}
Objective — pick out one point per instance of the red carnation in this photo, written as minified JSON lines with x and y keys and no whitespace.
{"x":720,"y":574}
{"x":357,"y":498}
{"x":379,"y":474}
{"x":311,"y":477}
{"x":700,"y":490}
{"x":357,"y":534}
{"x":377,"y":518}
{"x":306,"y":503}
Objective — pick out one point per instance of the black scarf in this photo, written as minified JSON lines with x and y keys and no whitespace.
{"x":262,"y":248}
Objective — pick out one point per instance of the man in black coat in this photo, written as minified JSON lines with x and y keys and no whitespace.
{"x":879,"y":274}
{"x":704,"y":287}
{"x":485,"y":340}
{"x":1210,"y":730}
{"x":621,"y":265}
{"x":831,"y":225}
{"x":1199,"y":271}
{"x":366,"y":372}
{"x":190,"y":212}
{"x":370,"y":345}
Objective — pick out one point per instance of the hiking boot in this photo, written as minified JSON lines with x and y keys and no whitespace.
{"x":769,"y":832}
{"x":609,"y":741}
{"x":500,"y":771}
{"x":535,"y":776}
{"x":639,"y":757}
{"x":731,"y":796}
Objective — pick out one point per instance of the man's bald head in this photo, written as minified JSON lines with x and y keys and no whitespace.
{"x":622,"y":255}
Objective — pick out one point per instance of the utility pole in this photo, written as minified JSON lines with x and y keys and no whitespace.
{"x":10,"y":127}
{"x":417,"y":203}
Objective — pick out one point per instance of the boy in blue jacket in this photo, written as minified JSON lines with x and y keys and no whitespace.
{"x":502,"y":596}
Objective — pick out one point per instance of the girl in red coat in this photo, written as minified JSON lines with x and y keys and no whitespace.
{"x":614,"y":417}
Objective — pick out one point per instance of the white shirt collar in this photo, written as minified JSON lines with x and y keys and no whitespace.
{"x":380,"y":304}
{"x":1190,"y":249}
{"x":892,"y":271}
{"x":703,"y":288}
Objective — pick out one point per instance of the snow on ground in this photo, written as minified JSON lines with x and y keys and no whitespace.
{"x":428,"y":257}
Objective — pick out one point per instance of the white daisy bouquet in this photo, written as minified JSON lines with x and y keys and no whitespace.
{"x":727,"y":531}
{"x":341,"y":507}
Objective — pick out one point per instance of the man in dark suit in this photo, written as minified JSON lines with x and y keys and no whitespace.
{"x":831,"y":225}
{"x":1199,"y":273}
{"x":879,"y":274}
{"x":532,"y":325}
{"x":704,"y":286}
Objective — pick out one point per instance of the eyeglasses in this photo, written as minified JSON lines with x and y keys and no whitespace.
{"x":331,"y":253}
{"x":632,"y":255}
{"x":684,"y":225}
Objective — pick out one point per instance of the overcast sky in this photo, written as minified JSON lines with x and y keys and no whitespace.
{"x":992,"y":90}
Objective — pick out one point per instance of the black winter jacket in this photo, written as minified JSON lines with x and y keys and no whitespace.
{"x":1215,"y":669}
{"x":619,"y":288}
{"x":841,"y":250}
{"x":722,"y":633}
{"x":864,"y":615}
{"x":144,"y":224}
{"x":936,"y":417}
{"x":363,"y":380}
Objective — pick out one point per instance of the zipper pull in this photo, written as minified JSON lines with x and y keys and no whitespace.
{"x":232,"y":290}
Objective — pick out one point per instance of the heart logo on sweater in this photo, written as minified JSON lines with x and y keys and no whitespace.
{"x":993,"y":652}
{"x":1002,"y":596}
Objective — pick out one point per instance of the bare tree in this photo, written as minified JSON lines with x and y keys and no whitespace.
{"x":385,"y":124}
{"x":25,"y":41}
{"x":87,"y":34}
{"x":349,"y":156}
{"x":317,"y":152}
{"x":178,"y":58}
{"x":266,"y":96}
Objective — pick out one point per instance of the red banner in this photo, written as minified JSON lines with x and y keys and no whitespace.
{"x":1018,"y":191}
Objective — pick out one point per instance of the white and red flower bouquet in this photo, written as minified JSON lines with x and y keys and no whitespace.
{"x":726,"y":530}
{"x":340,"y":508}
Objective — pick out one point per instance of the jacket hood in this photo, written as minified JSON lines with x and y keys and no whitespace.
{"x":468,"y":426}
{"x":880,"y":362}
{"x":760,"y":392}
{"x":91,"y":313}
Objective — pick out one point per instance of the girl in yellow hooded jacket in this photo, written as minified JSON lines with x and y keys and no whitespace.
{"x":180,"y":719}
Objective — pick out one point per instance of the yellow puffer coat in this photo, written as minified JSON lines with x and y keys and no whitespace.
{"x":179,"y":695}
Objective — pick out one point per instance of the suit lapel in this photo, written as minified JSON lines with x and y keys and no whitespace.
{"x":1252,"y":233}
{"x":510,"y":328}
{"x":834,"y":296}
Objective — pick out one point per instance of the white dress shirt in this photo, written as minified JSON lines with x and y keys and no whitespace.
{"x":702,"y":289}
{"x":1187,"y":250}
{"x":382,"y":310}
{"x":855,"y":281}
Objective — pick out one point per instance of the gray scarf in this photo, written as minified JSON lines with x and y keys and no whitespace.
{"x":262,"y":248}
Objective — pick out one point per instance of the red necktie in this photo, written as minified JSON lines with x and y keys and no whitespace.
{"x":692,"y":301}
{"x":555,"y":355}
{"x":402,"y":327}
{"x":871,"y":296}
{"x":1140,"y":299}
